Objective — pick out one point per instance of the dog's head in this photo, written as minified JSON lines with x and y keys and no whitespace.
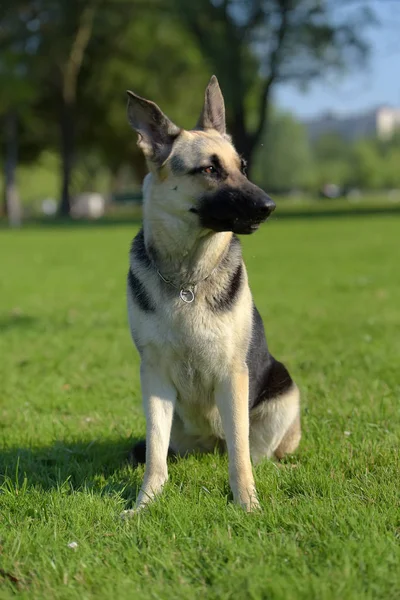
{"x":197,"y":175}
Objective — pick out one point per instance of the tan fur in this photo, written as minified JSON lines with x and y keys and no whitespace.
{"x":194,"y":351}
{"x":193,"y":361}
{"x":232,"y":399}
{"x":290,"y":440}
{"x":271,"y":422}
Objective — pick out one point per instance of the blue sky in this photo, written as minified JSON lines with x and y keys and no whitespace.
{"x":378,"y":84}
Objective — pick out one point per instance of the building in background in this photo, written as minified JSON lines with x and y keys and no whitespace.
{"x":381,"y":122}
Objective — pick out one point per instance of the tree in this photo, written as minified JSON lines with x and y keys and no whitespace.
{"x":62,"y":33}
{"x":333,"y":158}
{"x":54,"y":37}
{"x":86,"y":55}
{"x":254,"y":45}
{"x":82,"y":56}
{"x":375,"y":163}
{"x":156,"y":58}
{"x":284,"y":160}
{"x":17,"y":93}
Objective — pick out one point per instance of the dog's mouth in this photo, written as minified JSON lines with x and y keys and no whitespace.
{"x":244,"y":228}
{"x":236,"y":225}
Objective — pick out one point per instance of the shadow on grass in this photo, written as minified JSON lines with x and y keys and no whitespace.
{"x":8,"y":322}
{"x":93,"y":465}
{"x":28,"y":323}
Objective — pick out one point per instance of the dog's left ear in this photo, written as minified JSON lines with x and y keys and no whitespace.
{"x":156,"y":132}
{"x":213,"y":113}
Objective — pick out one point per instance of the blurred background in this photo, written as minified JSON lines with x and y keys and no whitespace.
{"x":312,"y":92}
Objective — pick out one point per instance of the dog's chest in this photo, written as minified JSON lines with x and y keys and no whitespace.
{"x":195,"y":402}
{"x":195,"y":351}
{"x":195,"y":343}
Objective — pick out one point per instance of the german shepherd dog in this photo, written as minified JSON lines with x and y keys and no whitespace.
{"x":208,"y":380}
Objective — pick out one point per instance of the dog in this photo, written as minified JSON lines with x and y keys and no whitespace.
{"x":207,"y":378}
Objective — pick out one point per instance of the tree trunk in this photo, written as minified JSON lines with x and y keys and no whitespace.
{"x":244,"y":141}
{"x":247,"y":142}
{"x":140,"y":168}
{"x":71,"y":71}
{"x":116,"y":180}
{"x":67,"y":156}
{"x":11,"y":197}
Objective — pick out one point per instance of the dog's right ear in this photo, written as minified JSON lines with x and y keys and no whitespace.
{"x":156,"y":132}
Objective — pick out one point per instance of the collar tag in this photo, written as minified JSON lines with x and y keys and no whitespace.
{"x":187,"y":295}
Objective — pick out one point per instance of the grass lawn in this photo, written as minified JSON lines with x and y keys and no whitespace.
{"x":70,"y":409}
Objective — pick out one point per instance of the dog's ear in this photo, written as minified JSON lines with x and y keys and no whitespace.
{"x":213,"y":113}
{"x":156,"y":132}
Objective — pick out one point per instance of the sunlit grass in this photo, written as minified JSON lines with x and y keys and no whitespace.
{"x":328,"y":290}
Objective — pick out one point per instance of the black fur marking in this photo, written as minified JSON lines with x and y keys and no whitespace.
{"x":227,"y":298}
{"x":235,"y":248}
{"x":214,"y":161}
{"x":268,"y":378}
{"x":178,"y":165}
{"x":139,"y":251}
{"x":233,"y":256}
{"x":240,"y":209}
{"x":139,"y":293}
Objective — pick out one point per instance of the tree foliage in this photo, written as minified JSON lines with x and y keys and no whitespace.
{"x":254,"y":45}
{"x":287,"y":160}
{"x":284,"y":161}
{"x":65,"y":66}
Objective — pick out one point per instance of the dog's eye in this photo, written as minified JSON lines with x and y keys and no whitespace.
{"x":210,"y":170}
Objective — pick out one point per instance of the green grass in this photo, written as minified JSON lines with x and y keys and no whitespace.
{"x":329,"y":292}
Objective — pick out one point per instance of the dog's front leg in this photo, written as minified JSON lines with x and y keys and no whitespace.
{"x":159,"y":397}
{"x":232,"y":398}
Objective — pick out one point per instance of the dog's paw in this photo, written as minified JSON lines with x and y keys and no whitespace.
{"x":252,"y":506}
{"x":133,"y":512}
{"x":126,"y":515}
{"x":249,"y":502}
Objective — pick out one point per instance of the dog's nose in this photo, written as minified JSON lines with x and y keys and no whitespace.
{"x":266,"y":206}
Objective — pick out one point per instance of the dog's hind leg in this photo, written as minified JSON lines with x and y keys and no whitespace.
{"x":275,"y":426}
{"x":290,"y":440}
